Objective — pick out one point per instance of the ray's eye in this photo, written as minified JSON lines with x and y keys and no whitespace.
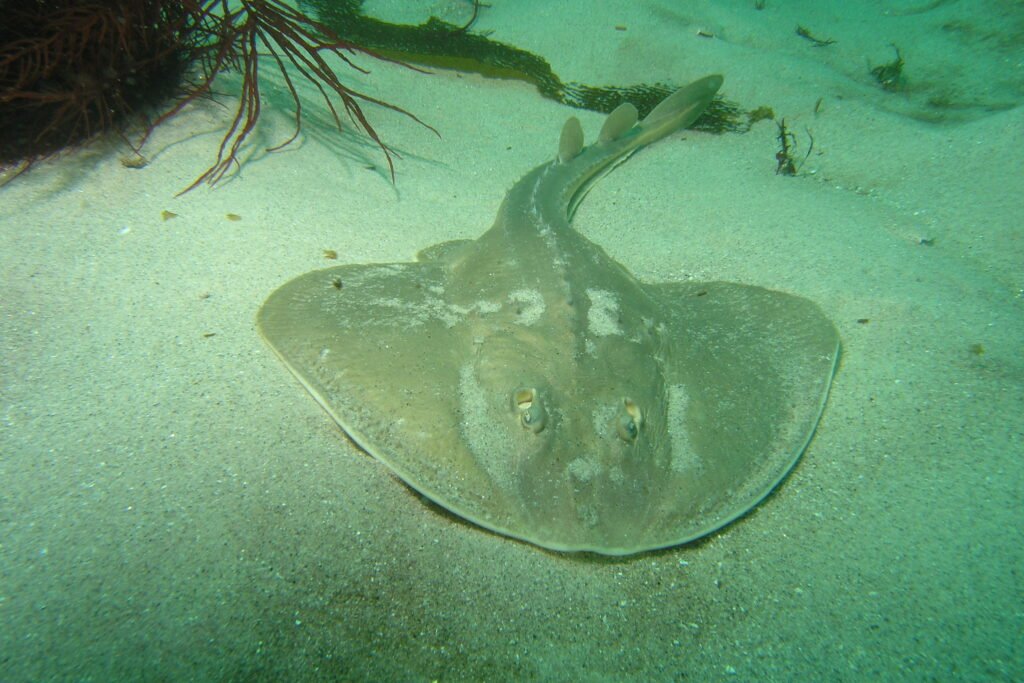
{"x":526,"y":402}
{"x":628,"y":421}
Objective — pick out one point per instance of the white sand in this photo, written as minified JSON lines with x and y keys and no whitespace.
{"x":174,"y":506}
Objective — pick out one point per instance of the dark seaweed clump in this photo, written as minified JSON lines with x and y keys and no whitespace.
{"x":72,"y":69}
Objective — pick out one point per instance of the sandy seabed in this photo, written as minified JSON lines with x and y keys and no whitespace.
{"x":174,"y":506}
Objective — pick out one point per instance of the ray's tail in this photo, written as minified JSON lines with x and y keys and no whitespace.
{"x":577,"y":166}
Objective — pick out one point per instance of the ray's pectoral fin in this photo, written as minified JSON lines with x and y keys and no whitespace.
{"x":754,"y":366}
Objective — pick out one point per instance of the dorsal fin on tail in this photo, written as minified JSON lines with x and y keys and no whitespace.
{"x":618,"y":123}
{"x":571,"y":142}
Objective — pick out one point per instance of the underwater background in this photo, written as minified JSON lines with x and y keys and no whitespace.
{"x":173,"y":506}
